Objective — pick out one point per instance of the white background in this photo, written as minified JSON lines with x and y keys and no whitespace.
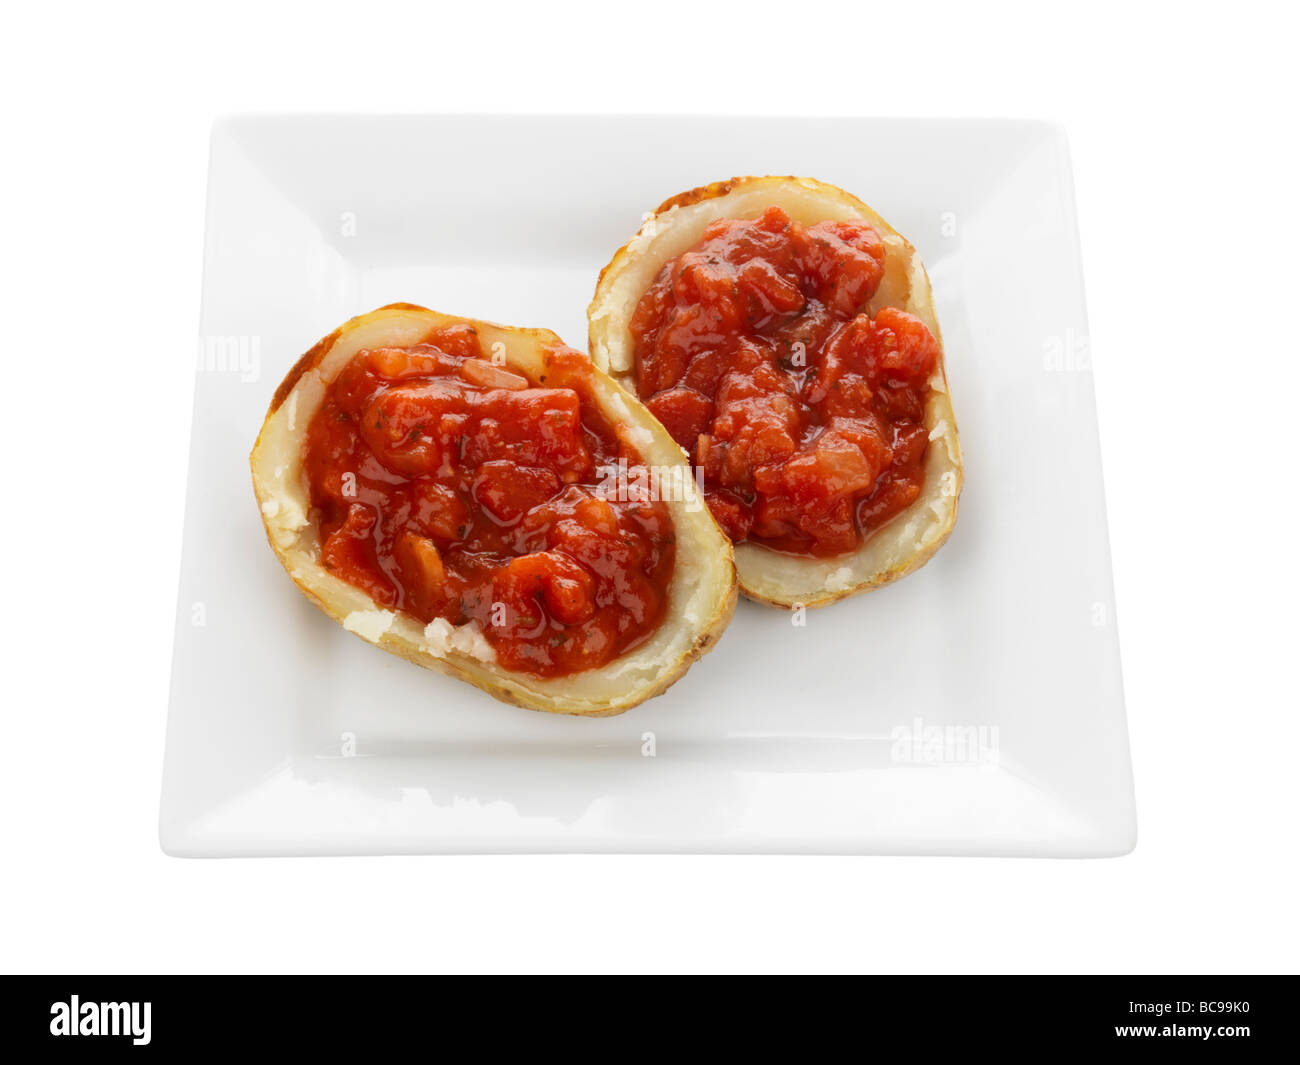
{"x":1183,"y":132}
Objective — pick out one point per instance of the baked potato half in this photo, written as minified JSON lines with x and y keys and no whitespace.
{"x":701,"y":591}
{"x":910,"y":538}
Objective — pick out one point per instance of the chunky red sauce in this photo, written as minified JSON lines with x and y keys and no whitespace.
{"x":806,"y":414}
{"x":448,"y":487}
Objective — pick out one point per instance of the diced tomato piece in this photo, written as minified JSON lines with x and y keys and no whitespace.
{"x":833,"y":468}
{"x":569,"y":590}
{"x":729,"y":512}
{"x":349,"y":553}
{"x":507,"y":491}
{"x":706,"y":370}
{"x":650,"y":311}
{"x":910,"y":442}
{"x":686,"y":335}
{"x":906,"y":351}
{"x":845,"y":356}
{"x":595,"y":550}
{"x":439,"y":512}
{"x":539,"y":427}
{"x":684,"y":413}
{"x":401,"y":424}
{"x":844,"y":263}
{"x":459,"y":339}
{"x":768,"y":291}
{"x":550,"y":578}
{"x":397,"y":364}
{"x":890,"y":499}
{"x":597,"y":514}
{"x":757,"y":421}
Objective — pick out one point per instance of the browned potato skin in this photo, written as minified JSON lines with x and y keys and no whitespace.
{"x":500,"y":684}
{"x":917,"y":299}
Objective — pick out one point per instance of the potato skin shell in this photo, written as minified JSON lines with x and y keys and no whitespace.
{"x":767,"y":576}
{"x":515,"y":689}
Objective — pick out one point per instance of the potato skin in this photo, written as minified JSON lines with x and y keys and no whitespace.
{"x":702,"y":594}
{"x":908,"y":541}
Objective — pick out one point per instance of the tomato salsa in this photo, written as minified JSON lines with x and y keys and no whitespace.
{"x":448,"y":486}
{"x":805,"y":413}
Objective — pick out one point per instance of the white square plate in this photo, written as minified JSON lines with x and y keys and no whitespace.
{"x":973,"y":708}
